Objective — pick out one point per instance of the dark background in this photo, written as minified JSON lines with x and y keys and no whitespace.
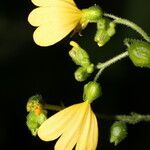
{"x":27,"y":69}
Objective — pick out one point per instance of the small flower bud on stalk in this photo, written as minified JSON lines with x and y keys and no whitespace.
{"x":81,"y":74}
{"x":90,"y":68}
{"x":139,"y":53}
{"x":118,"y":132}
{"x":92,"y":91}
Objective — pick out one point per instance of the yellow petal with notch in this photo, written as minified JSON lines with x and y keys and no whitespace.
{"x":55,"y":21}
{"x":53,"y":127}
{"x":47,"y":35}
{"x":70,"y":136}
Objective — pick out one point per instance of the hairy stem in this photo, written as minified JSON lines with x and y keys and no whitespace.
{"x":133,"y":118}
{"x":129,"y":24}
{"x":102,"y":66}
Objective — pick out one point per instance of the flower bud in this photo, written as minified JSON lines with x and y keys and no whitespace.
{"x":111,"y":30}
{"x":139,"y":53}
{"x":118,"y":132}
{"x":81,"y":74}
{"x":105,"y":30}
{"x":91,"y":14}
{"x":90,"y":68}
{"x":34,"y":121}
{"x":79,"y":55}
{"x":92,"y":91}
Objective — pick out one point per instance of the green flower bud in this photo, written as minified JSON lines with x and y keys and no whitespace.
{"x":79,"y":55}
{"x":34,"y":121}
{"x":105,"y":30}
{"x":81,"y":74}
{"x":92,"y":91}
{"x":91,"y":14}
{"x":111,"y":30}
{"x":139,"y":53}
{"x":118,"y":132}
{"x":90,"y":68}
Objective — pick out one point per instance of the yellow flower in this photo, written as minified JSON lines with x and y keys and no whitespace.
{"x":55,"y":19}
{"x":76,"y":126}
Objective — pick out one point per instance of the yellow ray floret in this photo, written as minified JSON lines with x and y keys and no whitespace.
{"x":76,"y":125}
{"x":55,"y":19}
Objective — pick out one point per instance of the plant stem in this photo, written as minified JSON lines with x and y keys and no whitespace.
{"x":129,"y":24}
{"x":133,"y":118}
{"x":53,"y":107}
{"x":106,"y":64}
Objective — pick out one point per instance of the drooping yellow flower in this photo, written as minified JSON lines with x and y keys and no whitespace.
{"x":75,"y":126}
{"x":55,"y":19}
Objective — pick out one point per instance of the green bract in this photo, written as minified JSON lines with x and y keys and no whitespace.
{"x":139,"y":53}
{"x":92,"y":91}
{"x":118,"y":132}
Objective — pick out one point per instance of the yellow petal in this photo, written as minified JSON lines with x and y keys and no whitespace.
{"x":89,"y":143}
{"x":53,"y":15}
{"x":55,"y":22}
{"x":90,"y":136}
{"x":82,"y":143}
{"x":94,"y":137}
{"x":49,"y":2}
{"x":50,"y":34}
{"x":70,"y":136}
{"x":53,"y":127}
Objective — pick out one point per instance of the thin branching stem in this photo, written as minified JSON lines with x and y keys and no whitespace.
{"x":129,"y":24}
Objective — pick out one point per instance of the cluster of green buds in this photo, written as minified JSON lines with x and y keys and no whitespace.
{"x":105,"y":30}
{"x":139,"y":53}
{"x":37,"y":115}
{"x":81,"y":58}
{"x":118,"y":132}
{"x":105,"y":27}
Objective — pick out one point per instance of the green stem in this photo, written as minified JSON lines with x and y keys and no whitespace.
{"x":53,"y":107}
{"x":129,"y":24}
{"x":102,"y":66}
{"x":133,"y":118}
